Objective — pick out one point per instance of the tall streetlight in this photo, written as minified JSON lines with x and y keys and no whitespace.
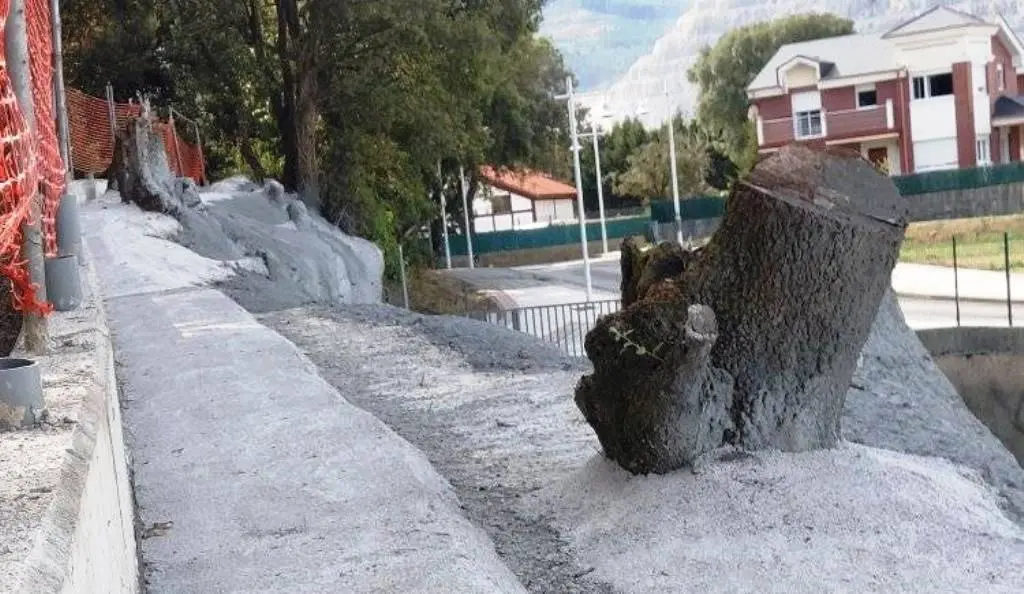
{"x":672,"y":163}
{"x":570,"y":98}
{"x":595,"y":133}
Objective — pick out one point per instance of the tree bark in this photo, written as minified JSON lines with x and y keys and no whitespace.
{"x":298,"y":112}
{"x":794,"y":276}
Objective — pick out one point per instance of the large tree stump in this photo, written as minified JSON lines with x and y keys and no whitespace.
{"x":794,"y":275}
{"x":141,"y":169}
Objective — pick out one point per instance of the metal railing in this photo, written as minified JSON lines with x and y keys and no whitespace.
{"x":565,"y":325}
{"x":978,"y":272}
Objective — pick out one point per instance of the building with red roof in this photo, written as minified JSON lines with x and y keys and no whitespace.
{"x":521,"y":199}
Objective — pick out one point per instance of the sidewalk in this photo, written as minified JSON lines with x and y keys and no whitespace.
{"x":252,"y":474}
{"x":939,"y":282}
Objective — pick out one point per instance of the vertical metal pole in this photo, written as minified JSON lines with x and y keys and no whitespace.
{"x":600,"y":194}
{"x":672,"y":167}
{"x":58,"y":89}
{"x":174,"y":138}
{"x":465,"y":212}
{"x":1006,"y":261}
{"x":444,"y":220}
{"x":112,"y":113}
{"x":35,"y":325}
{"x":579,"y":186}
{"x":401,"y":271}
{"x":956,"y":284}
{"x":202,"y":157}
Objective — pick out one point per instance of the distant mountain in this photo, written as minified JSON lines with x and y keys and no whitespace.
{"x":601,"y":39}
{"x":704,"y":21}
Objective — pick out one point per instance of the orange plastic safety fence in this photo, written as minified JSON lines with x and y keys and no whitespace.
{"x":185,"y":159}
{"x":18,"y":183}
{"x":92,"y":143}
{"x":50,"y":166}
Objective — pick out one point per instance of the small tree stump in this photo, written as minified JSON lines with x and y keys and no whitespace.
{"x":794,"y":275}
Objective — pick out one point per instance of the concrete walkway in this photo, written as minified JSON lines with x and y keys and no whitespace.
{"x":253,"y":474}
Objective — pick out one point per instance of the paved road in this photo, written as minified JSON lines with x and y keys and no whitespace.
{"x":564,"y":283}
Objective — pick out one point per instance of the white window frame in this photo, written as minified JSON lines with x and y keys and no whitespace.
{"x":864,"y":89}
{"x":926,"y":82}
{"x":983,"y":150}
{"x":1000,"y":77}
{"x":809,"y":117}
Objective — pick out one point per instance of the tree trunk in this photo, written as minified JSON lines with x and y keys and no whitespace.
{"x":306,"y":118}
{"x":285,"y":107}
{"x":794,"y":276}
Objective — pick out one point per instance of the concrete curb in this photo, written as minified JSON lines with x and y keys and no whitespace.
{"x":72,"y":552}
{"x":951,"y":299}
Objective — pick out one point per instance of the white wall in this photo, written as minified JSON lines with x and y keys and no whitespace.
{"x":935,"y":154}
{"x":483,"y":208}
{"x":933,"y":118}
{"x":555,"y":210}
{"x":801,"y":75}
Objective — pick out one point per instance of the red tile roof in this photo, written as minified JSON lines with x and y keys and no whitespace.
{"x":528,"y":184}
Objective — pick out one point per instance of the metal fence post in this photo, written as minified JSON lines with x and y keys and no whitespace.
{"x":112,"y":114}
{"x":401,"y":272}
{"x":1006,"y":260}
{"x":956,"y":284}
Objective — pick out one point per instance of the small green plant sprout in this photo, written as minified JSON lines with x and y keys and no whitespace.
{"x":621,"y":336}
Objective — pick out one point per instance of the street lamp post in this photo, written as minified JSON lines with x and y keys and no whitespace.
{"x":600,"y":194}
{"x":672,"y":163}
{"x":595,"y":134}
{"x":466,"y":215}
{"x":570,"y":98}
{"x":444,"y":221}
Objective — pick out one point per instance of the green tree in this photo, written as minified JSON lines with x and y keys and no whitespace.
{"x":649,"y":173}
{"x":724,"y":71}
{"x":351,"y":102}
{"x":616,"y":145}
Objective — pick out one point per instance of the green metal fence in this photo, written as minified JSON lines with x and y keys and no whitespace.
{"x":690,"y":209}
{"x":555,"y":235}
{"x":959,"y":179}
{"x":710,"y":207}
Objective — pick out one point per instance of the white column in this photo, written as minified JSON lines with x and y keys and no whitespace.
{"x":824,"y":123}
{"x":890,"y":119}
{"x":760,"y":130}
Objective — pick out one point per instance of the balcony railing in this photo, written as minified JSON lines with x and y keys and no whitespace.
{"x":834,"y":124}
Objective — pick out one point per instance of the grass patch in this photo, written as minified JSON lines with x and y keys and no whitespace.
{"x":434,"y":292}
{"x":979,"y":242}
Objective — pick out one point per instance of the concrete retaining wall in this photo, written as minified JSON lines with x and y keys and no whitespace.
{"x":85,"y":542}
{"x":987,"y":367}
{"x":962,"y":204}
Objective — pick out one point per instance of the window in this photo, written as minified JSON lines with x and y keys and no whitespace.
{"x":936,"y":85}
{"x":981,"y":146}
{"x":501,"y":204}
{"x":807,"y":124}
{"x":1000,"y":77}
{"x":867,"y":98}
{"x":919,"y":90}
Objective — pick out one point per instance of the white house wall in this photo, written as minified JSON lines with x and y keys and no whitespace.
{"x":564,"y":210}
{"x":932,"y":118}
{"x":979,"y":54}
{"x":519,"y":203}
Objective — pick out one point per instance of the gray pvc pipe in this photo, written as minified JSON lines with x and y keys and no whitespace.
{"x":69,"y":227}
{"x":21,"y":393}
{"x":63,"y":285}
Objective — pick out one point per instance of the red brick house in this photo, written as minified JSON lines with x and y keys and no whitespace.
{"x":940,"y":91}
